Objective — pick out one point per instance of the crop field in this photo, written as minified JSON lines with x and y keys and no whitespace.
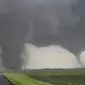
{"x":40,"y":77}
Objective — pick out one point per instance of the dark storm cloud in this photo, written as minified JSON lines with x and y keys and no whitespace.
{"x":47,"y":21}
{"x":50,"y":16}
{"x":64,"y":15}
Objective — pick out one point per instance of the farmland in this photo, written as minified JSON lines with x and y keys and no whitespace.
{"x":47,"y":77}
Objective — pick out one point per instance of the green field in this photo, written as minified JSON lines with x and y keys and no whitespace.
{"x":60,"y":77}
{"x":70,"y":72}
{"x":22,"y":79}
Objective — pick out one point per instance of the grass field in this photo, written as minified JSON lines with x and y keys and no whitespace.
{"x":57,"y":77}
{"x":22,"y":79}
